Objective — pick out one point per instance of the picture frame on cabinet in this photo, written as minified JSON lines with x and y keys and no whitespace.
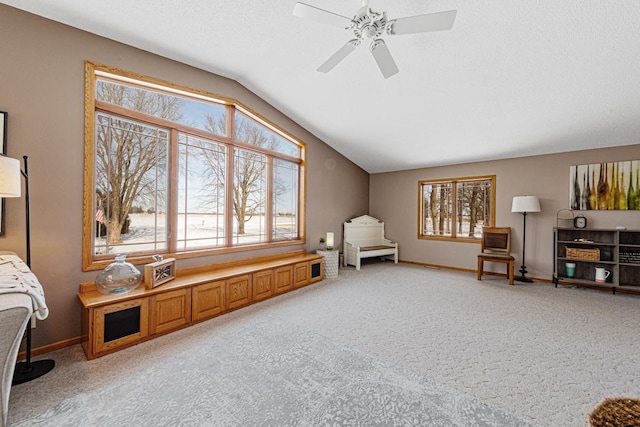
{"x":159,"y":272}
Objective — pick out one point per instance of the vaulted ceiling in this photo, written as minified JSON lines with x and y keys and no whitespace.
{"x":512,"y":78}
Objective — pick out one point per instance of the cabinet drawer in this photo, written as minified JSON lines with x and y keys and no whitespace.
{"x":169,"y":310}
{"x":208,"y":300}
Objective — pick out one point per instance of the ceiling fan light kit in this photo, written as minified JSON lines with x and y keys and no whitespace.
{"x":367,"y":24}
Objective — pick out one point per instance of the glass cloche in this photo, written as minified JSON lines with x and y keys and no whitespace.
{"x":119,"y":277}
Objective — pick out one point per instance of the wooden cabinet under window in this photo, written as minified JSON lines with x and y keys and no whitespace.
{"x":169,"y":310}
{"x":113,"y":322}
{"x":117,"y":325}
{"x":307,"y":272}
{"x":208,"y":300}
{"x":283,"y":279}
{"x":262,"y":285}
{"x":239,"y":291}
{"x":300,"y":274}
{"x":615,"y":251}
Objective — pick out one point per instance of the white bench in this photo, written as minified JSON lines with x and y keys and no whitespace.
{"x":364,"y":238}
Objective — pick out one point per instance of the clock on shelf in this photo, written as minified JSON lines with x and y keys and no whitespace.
{"x":580,"y":221}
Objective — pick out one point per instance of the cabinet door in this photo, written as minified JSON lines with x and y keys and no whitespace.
{"x":300,"y":274}
{"x":120,"y":324}
{"x":169,"y":310}
{"x":284,"y":279}
{"x":262,"y":285}
{"x":239,"y":291}
{"x":315,"y":270}
{"x":208,"y":300}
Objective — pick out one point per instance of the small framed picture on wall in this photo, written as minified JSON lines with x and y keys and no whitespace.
{"x":3,"y":151}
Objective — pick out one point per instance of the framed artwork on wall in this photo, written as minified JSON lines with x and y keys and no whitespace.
{"x":3,"y":150}
{"x":605,"y":186}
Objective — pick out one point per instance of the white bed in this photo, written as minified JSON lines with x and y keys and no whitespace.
{"x":364,"y":238}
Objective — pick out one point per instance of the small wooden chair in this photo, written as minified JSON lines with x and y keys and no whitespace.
{"x":496,"y":247}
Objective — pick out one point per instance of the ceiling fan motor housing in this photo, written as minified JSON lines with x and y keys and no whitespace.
{"x":369,"y":24}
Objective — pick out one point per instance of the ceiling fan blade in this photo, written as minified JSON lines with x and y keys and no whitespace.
{"x":303,"y":10}
{"x":342,"y":53}
{"x":440,"y":21}
{"x":383,"y":57}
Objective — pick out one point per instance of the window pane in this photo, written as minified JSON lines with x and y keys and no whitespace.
{"x":285,"y":200}
{"x":170,"y":150}
{"x":131,"y":182}
{"x":473,"y":200}
{"x":200,"y":114}
{"x":249,"y":131}
{"x":437,"y":209}
{"x":201,"y":193}
{"x":249,"y":197}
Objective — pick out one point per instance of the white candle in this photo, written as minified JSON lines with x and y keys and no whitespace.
{"x":329,"y":240}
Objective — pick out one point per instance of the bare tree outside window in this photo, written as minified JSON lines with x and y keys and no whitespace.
{"x":457,"y":208}
{"x":178,"y":171}
{"x":130,"y":156}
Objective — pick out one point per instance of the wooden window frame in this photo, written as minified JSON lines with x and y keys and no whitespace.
{"x":454,"y":213}
{"x":92,"y":73}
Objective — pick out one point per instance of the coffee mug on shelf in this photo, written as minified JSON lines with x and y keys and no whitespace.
{"x":601,"y":275}
{"x":570,"y":269}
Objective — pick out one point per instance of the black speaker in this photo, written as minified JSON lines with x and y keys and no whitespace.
{"x":315,"y":270}
{"x":120,"y":324}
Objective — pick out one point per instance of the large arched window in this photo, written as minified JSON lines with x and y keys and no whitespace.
{"x":175,"y":171}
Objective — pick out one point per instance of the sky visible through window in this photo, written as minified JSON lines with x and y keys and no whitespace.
{"x":181,"y":170}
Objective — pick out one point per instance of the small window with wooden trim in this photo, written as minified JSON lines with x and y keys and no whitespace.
{"x":456,"y":208}
{"x":178,"y":171}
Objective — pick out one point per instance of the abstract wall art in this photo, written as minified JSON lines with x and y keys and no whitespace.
{"x":605,"y":186}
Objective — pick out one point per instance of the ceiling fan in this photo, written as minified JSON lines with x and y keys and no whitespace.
{"x":371,"y":25}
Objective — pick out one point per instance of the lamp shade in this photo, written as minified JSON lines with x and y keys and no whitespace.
{"x":525,"y":204}
{"x":10,"y":176}
{"x":329,"y":240}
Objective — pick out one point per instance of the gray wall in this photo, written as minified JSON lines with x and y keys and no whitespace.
{"x":394,"y":198}
{"x":42,"y":89}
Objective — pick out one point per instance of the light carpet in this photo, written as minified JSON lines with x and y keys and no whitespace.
{"x":545,"y":355}
{"x":270,"y":373}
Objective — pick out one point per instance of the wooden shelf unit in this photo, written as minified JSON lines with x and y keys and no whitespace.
{"x":113,"y":322}
{"x":619,"y":253}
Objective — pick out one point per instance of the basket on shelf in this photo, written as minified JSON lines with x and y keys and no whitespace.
{"x":583,"y":254}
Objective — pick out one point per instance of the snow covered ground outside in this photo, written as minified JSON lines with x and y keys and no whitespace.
{"x":202,"y":230}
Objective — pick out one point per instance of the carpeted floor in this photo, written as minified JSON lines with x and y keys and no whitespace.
{"x":269,"y":373}
{"x":386,"y":345}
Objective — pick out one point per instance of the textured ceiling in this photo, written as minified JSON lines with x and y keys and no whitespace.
{"x":512,"y":78}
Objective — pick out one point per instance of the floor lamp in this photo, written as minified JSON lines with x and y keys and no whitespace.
{"x":10,"y":187}
{"x":524,"y":205}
